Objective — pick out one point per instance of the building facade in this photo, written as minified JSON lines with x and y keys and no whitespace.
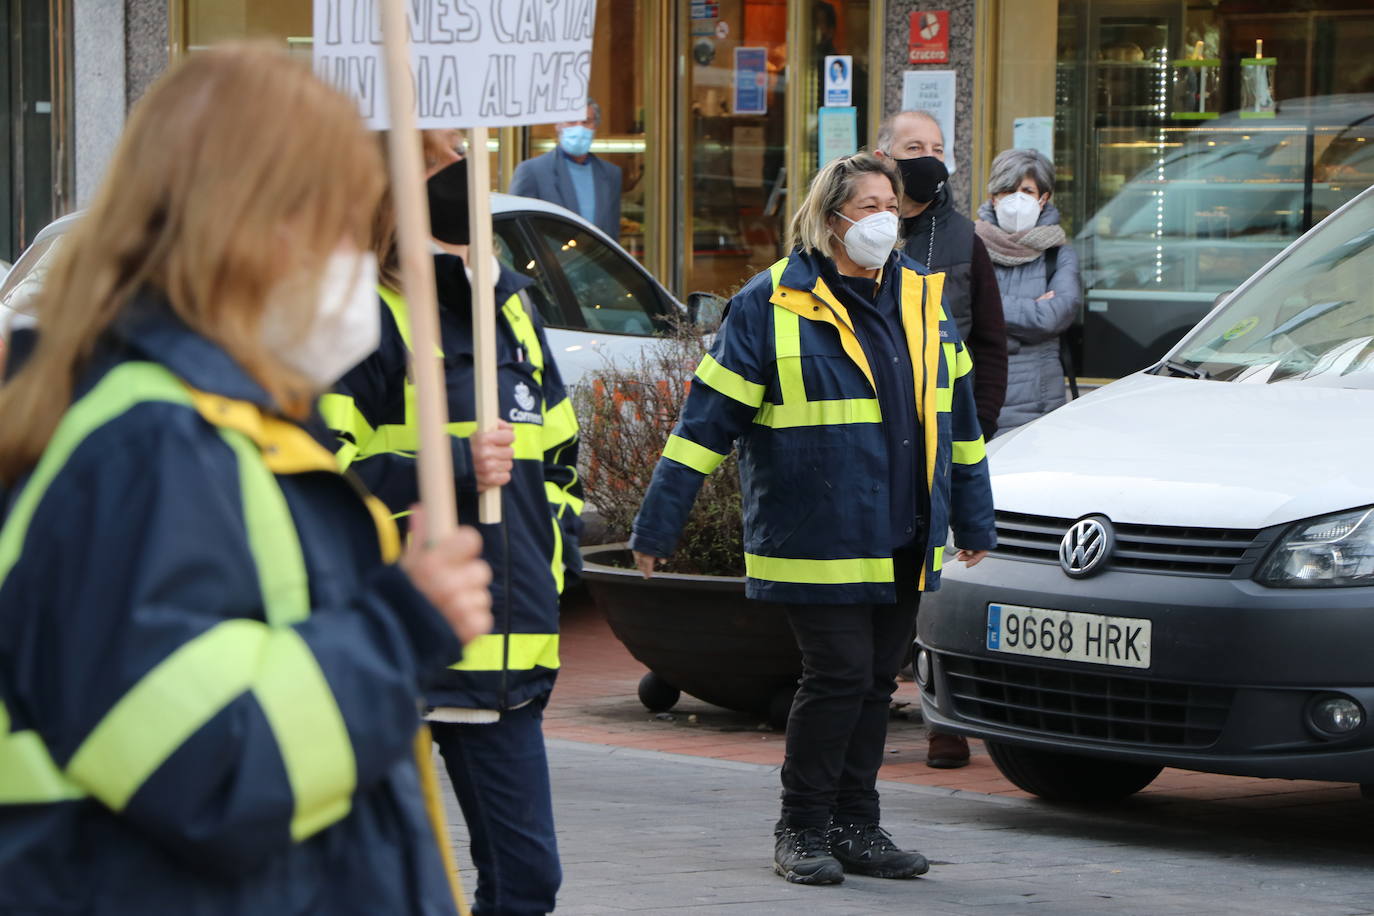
{"x":1192,"y":138}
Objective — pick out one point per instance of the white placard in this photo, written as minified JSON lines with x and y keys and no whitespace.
{"x":474,"y":63}
{"x":933,"y":91}
{"x":1034,"y":133}
{"x":839,"y":80}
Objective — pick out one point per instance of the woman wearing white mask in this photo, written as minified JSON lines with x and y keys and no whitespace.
{"x":1037,"y":273}
{"x":210,"y":663}
{"x":850,"y":397}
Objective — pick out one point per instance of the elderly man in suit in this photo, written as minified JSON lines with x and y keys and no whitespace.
{"x":572,"y":176}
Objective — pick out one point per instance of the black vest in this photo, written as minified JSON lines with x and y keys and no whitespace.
{"x":941,"y":238}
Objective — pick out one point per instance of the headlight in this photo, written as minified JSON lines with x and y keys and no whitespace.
{"x":1335,"y":550}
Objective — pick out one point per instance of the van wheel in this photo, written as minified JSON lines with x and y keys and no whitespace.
{"x":656,"y":694}
{"x":1070,"y":777}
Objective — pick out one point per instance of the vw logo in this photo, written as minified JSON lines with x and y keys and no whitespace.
{"x":1086,"y":546}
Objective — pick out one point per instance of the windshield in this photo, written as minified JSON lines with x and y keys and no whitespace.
{"x":1310,"y":319}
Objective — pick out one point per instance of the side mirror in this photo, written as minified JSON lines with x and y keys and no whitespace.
{"x":706,"y":310}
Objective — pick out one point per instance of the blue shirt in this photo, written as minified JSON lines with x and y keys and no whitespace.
{"x":584,"y":185}
{"x":878,"y":325}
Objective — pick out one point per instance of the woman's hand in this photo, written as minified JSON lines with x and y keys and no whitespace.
{"x":493,"y":456}
{"x":970,"y":557}
{"x":645,"y":563}
{"x":452,"y":575}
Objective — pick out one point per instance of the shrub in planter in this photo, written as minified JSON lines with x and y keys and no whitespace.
{"x":690,"y":625}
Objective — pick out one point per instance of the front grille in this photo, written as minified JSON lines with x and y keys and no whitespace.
{"x":1093,"y":706}
{"x":1216,"y":552}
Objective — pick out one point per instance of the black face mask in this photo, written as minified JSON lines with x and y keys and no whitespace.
{"x":448,"y":204}
{"x":922,"y":177}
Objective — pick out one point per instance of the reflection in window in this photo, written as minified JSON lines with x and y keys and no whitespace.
{"x":512,"y":251}
{"x":610,"y":293}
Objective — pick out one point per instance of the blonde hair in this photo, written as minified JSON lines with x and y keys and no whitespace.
{"x":833,"y":187}
{"x":237,"y":170}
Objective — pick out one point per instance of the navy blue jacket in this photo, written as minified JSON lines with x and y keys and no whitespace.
{"x":788,"y":382}
{"x":139,"y":547}
{"x":539,"y":507}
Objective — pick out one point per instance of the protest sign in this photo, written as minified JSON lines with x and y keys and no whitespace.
{"x":488,"y":63}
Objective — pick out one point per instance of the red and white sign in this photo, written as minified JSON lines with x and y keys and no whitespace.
{"x":929,"y":42}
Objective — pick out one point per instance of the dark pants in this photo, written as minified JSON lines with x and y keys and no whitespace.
{"x":501,"y":776}
{"x":838,"y":725}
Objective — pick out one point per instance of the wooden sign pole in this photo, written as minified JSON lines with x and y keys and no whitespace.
{"x":482,"y":263}
{"x":417,"y":276}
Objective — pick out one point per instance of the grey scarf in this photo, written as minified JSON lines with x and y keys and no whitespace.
{"x":1012,"y":248}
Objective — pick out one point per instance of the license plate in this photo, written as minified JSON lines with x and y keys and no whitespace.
{"x":1044,"y":633}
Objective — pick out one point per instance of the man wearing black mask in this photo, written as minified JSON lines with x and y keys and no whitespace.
{"x":940,"y":237}
{"x":485,"y":712}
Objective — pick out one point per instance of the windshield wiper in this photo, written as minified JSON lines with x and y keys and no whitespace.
{"x":1183,"y":369}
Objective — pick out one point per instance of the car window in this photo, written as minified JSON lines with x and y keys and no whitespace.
{"x":611,"y":293}
{"x":513,"y":251}
{"x":1310,"y":318}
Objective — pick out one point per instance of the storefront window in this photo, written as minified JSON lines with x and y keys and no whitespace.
{"x":617,"y":85}
{"x":1175,"y":193}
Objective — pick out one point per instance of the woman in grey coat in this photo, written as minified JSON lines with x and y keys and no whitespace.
{"x":1037,"y":272}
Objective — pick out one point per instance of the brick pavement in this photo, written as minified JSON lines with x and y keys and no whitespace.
{"x":595,"y":701}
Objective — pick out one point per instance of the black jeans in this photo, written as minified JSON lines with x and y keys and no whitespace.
{"x":838,"y":725}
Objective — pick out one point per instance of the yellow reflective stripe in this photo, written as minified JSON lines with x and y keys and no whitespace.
{"x":169,"y":704}
{"x":560,"y":497}
{"x":776,"y":269}
{"x":697,"y":457}
{"x":729,"y":383}
{"x":963,"y":362}
{"x":122,"y":388}
{"x":556,"y":564}
{"x":560,"y":423}
{"x":400,"y":313}
{"x":527,"y":651}
{"x":310,"y":732}
{"x":189,"y":687}
{"x":819,"y":413}
{"x":341,"y":414}
{"x":520,"y":324}
{"x":787,"y":344}
{"x":819,"y":572}
{"x":937,"y":559}
{"x":969,"y":452}
{"x":28,"y":775}
{"x":272,"y":536}
{"x":944,"y":400}
{"x":397,"y":438}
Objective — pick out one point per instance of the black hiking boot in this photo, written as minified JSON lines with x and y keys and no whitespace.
{"x":867,"y":849}
{"x":802,"y":856}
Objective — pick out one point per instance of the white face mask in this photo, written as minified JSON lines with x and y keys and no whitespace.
{"x":1017,"y":211}
{"x":870,"y":241}
{"x":347,"y":326}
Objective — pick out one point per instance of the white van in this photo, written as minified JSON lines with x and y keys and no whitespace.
{"x":1185,"y":568}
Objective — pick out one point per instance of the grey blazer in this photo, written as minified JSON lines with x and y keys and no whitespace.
{"x":546,"y":177}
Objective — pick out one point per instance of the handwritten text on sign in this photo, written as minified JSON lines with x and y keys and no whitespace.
{"x":474,"y":63}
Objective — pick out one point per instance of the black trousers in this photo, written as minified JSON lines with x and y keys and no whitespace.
{"x":837,"y":729}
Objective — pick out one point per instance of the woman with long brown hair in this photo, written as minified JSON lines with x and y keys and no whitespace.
{"x":208,"y":664}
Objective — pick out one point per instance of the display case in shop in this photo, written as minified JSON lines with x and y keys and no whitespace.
{"x":1169,"y":201}
{"x":1219,"y":200}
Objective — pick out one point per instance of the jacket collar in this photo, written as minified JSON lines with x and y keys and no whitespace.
{"x":451,"y":280}
{"x":150,"y":328}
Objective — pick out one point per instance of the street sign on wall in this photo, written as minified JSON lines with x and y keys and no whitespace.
{"x":929,"y":42}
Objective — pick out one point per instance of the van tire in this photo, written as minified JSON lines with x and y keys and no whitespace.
{"x":1070,"y":777}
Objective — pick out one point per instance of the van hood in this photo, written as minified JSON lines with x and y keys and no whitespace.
{"x":1187,"y":452}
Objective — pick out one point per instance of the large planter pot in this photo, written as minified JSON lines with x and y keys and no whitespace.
{"x":697,"y":634}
